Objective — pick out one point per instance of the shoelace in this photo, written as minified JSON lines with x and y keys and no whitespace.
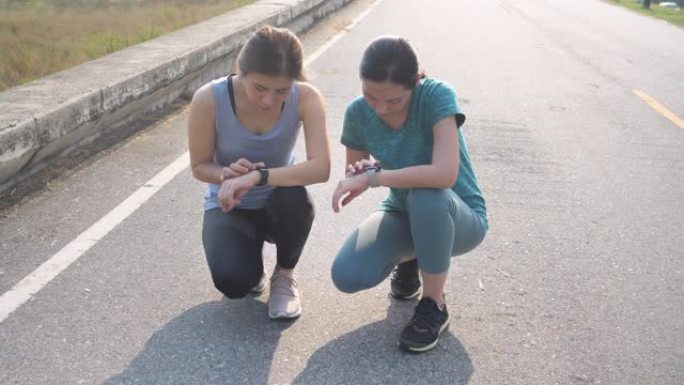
{"x":402,"y":274}
{"x":283,"y":284}
{"x":425,"y":317}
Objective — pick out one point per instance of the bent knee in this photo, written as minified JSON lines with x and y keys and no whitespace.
{"x":343,"y":283}
{"x":352,"y":279}
{"x":233,"y":286}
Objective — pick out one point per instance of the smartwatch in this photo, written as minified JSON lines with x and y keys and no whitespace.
{"x":263,"y":180}
{"x":372,"y":175}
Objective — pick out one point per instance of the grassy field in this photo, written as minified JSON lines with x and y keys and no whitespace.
{"x":40,"y":37}
{"x":671,"y":15}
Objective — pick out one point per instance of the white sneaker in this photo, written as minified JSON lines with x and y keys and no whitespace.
{"x":283,"y":301}
{"x":261,"y":286}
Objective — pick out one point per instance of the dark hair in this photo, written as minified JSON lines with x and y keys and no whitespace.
{"x":391,"y":58}
{"x":272,"y":51}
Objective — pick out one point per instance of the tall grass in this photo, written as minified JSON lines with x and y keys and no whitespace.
{"x":40,"y":37}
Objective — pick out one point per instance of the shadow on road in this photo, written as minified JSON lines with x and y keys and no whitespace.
{"x":370,"y":355}
{"x":213,"y":343}
{"x":233,"y":342}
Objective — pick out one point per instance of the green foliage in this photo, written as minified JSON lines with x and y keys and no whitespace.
{"x":674,"y":16}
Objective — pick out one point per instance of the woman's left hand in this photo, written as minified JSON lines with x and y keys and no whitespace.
{"x":360,"y":166}
{"x":233,"y":189}
{"x":351,"y":187}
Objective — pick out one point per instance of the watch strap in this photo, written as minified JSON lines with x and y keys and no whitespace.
{"x":372,"y":175}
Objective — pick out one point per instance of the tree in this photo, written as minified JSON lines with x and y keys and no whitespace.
{"x":646,"y":4}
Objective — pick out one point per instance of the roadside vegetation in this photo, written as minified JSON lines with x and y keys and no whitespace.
{"x":674,"y":16}
{"x":40,"y":37}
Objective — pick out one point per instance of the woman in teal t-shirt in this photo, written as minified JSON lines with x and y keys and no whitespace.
{"x":404,"y":133}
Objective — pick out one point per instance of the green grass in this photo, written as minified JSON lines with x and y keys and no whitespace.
{"x":40,"y":37}
{"x":674,"y":16}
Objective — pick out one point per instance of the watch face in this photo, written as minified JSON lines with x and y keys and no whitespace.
{"x":264,"y":176}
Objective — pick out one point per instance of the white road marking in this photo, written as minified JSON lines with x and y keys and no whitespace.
{"x":317,"y":53}
{"x":31,"y":284}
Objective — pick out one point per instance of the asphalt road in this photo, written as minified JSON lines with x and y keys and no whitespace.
{"x":578,"y":282}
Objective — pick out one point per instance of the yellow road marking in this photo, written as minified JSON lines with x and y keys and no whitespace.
{"x":679,"y":122}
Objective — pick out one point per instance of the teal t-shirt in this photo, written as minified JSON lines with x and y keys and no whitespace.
{"x":412,"y":144}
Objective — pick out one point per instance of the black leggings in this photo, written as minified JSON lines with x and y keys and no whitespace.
{"x":233,"y":241}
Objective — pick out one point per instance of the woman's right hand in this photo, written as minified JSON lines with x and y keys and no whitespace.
{"x":240,"y":167}
{"x":232,"y":190}
{"x":360,"y":166}
{"x":348,"y":189}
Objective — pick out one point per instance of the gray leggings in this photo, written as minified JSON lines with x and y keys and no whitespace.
{"x":436,"y":225}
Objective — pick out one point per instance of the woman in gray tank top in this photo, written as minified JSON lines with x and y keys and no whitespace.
{"x":241,"y":134}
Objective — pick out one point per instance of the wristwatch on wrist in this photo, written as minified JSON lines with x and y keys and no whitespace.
{"x":263,"y":180}
{"x":372,"y":175}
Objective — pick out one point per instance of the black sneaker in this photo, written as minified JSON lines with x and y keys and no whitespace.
{"x":428,"y":322}
{"x":405,"y":280}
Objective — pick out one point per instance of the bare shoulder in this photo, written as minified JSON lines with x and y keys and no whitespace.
{"x":202,"y":111}
{"x":308,"y":93}
{"x":203,"y":98}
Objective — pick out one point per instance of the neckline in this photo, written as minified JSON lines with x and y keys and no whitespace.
{"x":266,"y":133}
{"x":397,"y":129}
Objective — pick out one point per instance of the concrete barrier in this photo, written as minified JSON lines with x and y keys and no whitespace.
{"x":50,"y":116}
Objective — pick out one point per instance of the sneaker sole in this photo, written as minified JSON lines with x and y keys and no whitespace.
{"x":261,"y":286}
{"x":257,"y":289}
{"x":403,"y":296}
{"x":285,"y":316}
{"x":422,"y":349}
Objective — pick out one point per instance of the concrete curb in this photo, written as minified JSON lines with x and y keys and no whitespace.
{"x":49,"y":117}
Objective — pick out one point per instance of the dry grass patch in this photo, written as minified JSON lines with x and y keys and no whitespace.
{"x":38,"y":38}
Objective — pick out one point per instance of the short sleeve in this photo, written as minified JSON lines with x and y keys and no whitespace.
{"x":350,"y":134}
{"x":444,"y":103}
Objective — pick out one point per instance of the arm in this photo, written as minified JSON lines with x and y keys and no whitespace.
{"x":202,"y":136}
{"x":355,"y":182}
{"x":316,"y":168}
{"x":441,"y":173}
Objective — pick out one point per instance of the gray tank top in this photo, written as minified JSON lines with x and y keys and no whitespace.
{"x":234,"y":141}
